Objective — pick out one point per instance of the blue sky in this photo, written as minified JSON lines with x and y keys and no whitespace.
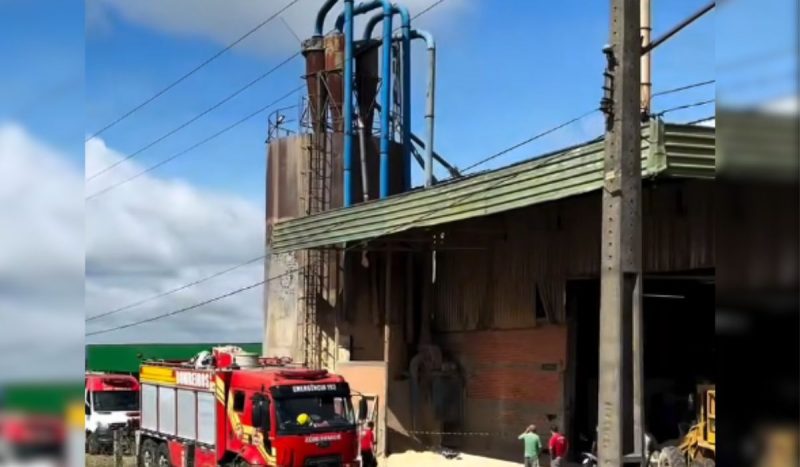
{"x":506,"y":71}
{"x":42,"y":60}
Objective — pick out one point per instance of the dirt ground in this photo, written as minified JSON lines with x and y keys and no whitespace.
{"x":406,"y":459}
{"x":431,"y":459}
{"x":108,"y":461}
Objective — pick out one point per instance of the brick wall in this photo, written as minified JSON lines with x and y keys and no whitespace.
{"x":514,"y":378}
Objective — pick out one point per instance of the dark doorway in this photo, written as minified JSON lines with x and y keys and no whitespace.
{"x":678,"y":353}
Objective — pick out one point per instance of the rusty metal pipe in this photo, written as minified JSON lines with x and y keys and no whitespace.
{"x":319,"y":25}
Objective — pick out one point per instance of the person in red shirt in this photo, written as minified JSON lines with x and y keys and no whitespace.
{"x":557,"y":447}
{"x":368,"y":446}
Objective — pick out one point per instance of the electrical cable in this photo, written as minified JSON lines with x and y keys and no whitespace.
{"x":219,"y":273}
{"x":701,"y":120}
{"x":531,"y":139}
{"x":389,"y":231}
{"x":172,"y":291}
{"x":684,"y":88}
{"x":194,"y":146}
{"x":188,"y":308}
{"x":686,"y":106}
{"x":193,"y":119}
{"x":192,"y":71}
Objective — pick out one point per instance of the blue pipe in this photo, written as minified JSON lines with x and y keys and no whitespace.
{"x":406,"y":63}
{"x":386,"y":64}
{"x":348,"y":103}
{"x":321,"y":14}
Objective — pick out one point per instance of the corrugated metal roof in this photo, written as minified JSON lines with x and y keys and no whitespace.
{"x":676,"y":151}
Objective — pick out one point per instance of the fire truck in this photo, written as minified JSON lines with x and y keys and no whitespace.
{"x":111,"y":404}
{"x":227,"y":407}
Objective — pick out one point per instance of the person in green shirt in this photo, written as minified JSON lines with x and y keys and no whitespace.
{"x":533,"y":446}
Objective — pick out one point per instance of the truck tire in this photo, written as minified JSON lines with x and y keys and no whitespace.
{"x":147,"y":454}
{"x":162,"y":456}
{"x":671,"y":456}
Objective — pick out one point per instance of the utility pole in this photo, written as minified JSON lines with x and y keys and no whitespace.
{"x":620,"y":275}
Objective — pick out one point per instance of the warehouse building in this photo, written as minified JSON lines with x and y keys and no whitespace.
{"x":472,"y":306}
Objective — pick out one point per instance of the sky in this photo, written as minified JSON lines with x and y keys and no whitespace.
{"x":506,"y":70}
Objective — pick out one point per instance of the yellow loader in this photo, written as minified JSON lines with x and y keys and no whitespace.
{"x":698,"y":447}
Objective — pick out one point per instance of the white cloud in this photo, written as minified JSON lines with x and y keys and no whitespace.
{"x":784,"y":106}
{"x":224,"y":21}
{"x":41,"y":260}
{"x":62,"y":258}
{"x":153,"y":235}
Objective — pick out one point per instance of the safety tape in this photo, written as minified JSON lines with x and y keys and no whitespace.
{"x":457,"y":433}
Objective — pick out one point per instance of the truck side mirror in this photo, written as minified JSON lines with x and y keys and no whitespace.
{"x":261,"y":412}
{"x":362,"y":409}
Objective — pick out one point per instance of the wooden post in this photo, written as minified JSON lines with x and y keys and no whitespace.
{"x":620,"y":277}
{"x":117,"y":436}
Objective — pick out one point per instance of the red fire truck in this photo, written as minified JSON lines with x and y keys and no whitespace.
{"x":231,"y":408}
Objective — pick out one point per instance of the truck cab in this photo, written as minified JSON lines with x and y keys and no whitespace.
{"x":302,"y":421}
{"x":111,"y":402}
{"x":236,"y":409}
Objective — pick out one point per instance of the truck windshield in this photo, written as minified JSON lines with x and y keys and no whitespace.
{"x":114,"y":401}
{"x":322,"y":413}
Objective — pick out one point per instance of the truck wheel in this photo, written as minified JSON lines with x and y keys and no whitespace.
{"x":162,"y":456}
{"x":147,"y":455}
{"x":671,"y":456}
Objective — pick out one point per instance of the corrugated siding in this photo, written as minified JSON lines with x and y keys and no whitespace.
{"x":549,"y":178}
{"x":690,"y":150}
{"x":545,"y":245}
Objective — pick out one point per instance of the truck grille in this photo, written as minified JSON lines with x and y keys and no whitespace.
{"x":327,"y":461}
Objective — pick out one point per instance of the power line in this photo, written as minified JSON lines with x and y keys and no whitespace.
{"x":217,"y":274}
{"x":194,"y":146}
{"x":262,"y":282}
{"x":685,"y":87}
{"x":531,"y":139}
{"x":429,"y":8}
{"x":701,"y":120}
{"x":172,"y":291}
{"x":686,"y":106}
{"x":194,"y":119}
{"x":188,"y":308}
{"x":193,"y":70}
{"x":430,"y":212}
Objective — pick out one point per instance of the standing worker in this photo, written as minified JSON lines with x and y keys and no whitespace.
{"x":533,"y":446}
{"x":368,"y":446}
{"x":557,"y":447}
